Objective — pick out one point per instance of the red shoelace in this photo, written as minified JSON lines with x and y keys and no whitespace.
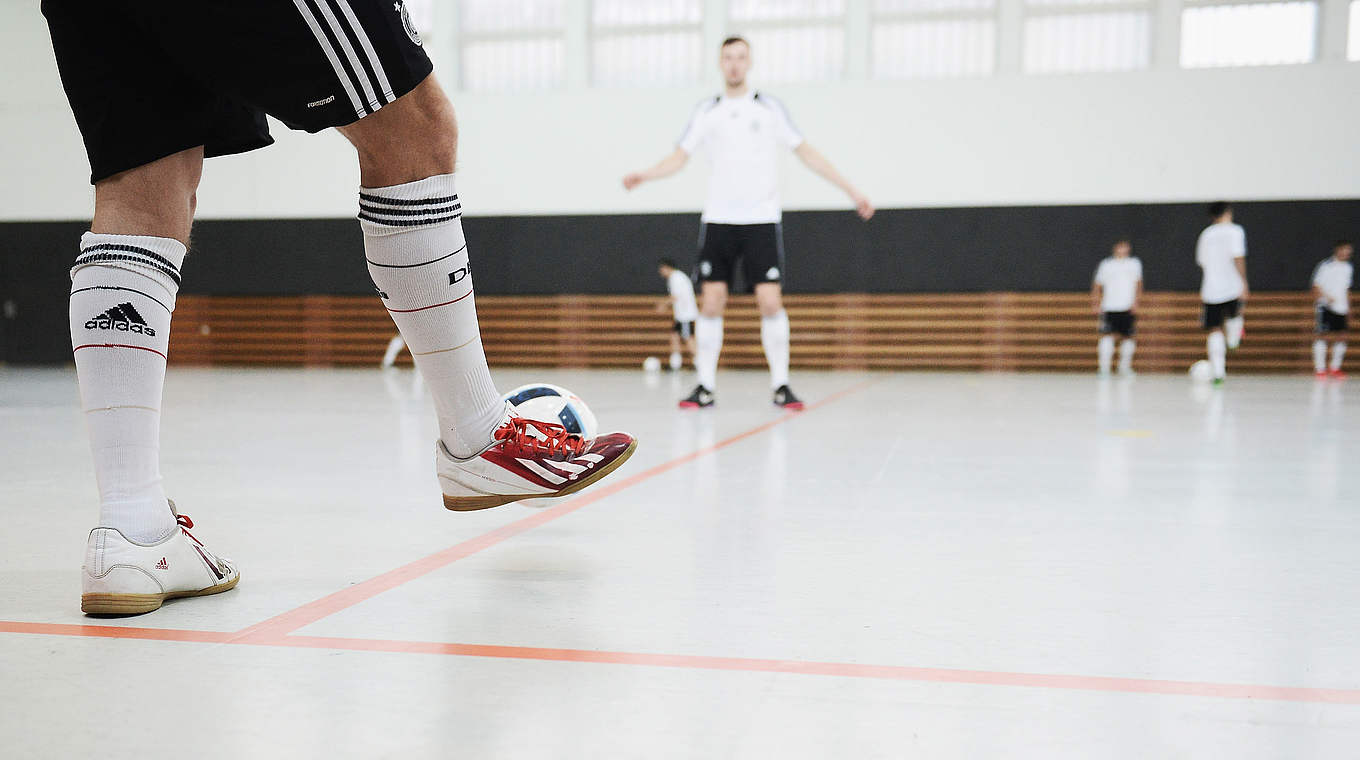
{"x":184,"y":525}
{"x":551,"y":440}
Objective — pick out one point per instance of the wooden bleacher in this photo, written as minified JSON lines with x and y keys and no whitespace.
{"x":982,"y":331}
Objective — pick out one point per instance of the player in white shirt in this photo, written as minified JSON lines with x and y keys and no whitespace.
{"x":1115,"y":291}
{"x":684,"y":309}
{"x":743,"y":132}
{"x":1331,"y":286}
{"x":1222,"y":255}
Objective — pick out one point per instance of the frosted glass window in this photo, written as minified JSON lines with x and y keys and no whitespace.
{"x":919,"y":49}
{"x":797,"y":54}
{"x":1248,"y":35}
{"x":514,"y":65}
{"x":1087,"y":42}
{"x":773,"y":10}
{"x":647,"y":12}
{"x":1353,"y":42}
{"x":512,"y":15}
{"x":931,"y":6}
{"x":666,"y":58}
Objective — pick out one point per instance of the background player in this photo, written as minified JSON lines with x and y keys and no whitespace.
{"x":684,"y":309}
{"x":1331,"y":286}
{"x":155,"y":88}
{"x":742,"y":130}
{"x":1115,"y":291}
{"x":1221,"y":253}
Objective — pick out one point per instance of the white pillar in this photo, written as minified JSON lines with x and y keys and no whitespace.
{"x":1334,"y":18}
{"x":1009,"y":36}
{"x":578,"y":44}
{"x":858,"y":38}
{"x":1166,"y":34}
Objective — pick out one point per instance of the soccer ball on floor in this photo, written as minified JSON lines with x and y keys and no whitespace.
{"x":1200,"y":371}
{"x":555,"y":404}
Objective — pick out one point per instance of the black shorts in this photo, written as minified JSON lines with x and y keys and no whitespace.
{"x":1124,"y":323}
{"x":149,"y":78}
{"x":1329,"y":321}
{"x":758,"y":248}
{"x":684,"y":329}
{"x":1215,"y":314}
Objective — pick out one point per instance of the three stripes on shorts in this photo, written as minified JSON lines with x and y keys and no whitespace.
{"x":347,"y":46}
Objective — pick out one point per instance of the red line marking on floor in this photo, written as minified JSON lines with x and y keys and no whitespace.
{"x":307,"y":614}
{"x":116,"y":632}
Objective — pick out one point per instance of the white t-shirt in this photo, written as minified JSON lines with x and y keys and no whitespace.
{"x":742,"y":137}
{"x":1118,"y":280}
{"x":1220,"y":245}
{"x":682,"y":295}
{"x":1333,"y":278}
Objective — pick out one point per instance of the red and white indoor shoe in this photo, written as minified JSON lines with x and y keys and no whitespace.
{"x":528,"y":459}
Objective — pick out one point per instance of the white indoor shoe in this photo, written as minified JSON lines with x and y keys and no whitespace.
{"x":528,"y":459}
{"x":121,"y":577}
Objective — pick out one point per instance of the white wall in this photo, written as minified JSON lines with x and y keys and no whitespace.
{"x":1164,"y":135}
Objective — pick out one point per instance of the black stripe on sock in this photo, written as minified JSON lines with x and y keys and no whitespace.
{"x":131,"y":249}
{"x":410,"y":211}
{"x":97,"y":258}
{"x":408,"y":222}
{"x":400,"y":202}
{"x":421,"y":264}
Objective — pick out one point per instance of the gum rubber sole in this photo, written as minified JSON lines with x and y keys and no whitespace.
{"x":474,"y":503}
{"x":137,"y":604}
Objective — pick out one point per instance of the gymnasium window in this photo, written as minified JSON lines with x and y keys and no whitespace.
{"x":792,"y":40}
{"x":1353,"y":41}
{"x":647,"y":42}
{"x":1249,"y":34}
{"x":933,"y":38}
{"x":513,"y":46}
{"x":1086,"y":35}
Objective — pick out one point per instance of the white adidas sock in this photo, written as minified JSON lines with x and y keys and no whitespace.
{"x":1234,"y":327}
{"x":774,"y":337}
{"x":675,"y":361}
{"x":418,"y":259}
{"x":1338,"y":354}
{"x":1126,"y":349}
{"x":1104,"y":353}
{"x":708,"y":340}
{"x":123,"y":291}
{"x":1218,"y":354}
{"x":1319,"y":355}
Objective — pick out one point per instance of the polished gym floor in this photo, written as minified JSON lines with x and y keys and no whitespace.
{"x":918,"y":566}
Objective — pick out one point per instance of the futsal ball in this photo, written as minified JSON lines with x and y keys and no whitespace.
{"x":1200,"y":371}
{"x":555,"y":404}
{"x":651,"y":364}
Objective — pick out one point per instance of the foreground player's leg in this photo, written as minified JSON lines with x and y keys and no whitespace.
{"x":1218,"y":355}
{"x":418,"y":258}
{"x":774,"y":338}
{"x":123,"y":289}
{"x":1338,"y":356}
{"x":708,"y":341}
{"x":1105,"y":353}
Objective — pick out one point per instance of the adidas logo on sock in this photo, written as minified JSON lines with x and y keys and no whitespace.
{"x":162,"y":565}
{"x":123,"y":318}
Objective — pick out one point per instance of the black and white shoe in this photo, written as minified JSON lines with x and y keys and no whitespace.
{"x":784,"y":397}
{"x":700,"y":398}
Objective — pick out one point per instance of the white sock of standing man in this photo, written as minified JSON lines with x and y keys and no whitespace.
{"x":1234,"y":327}
{"x":1105,"y":353}
{"x":418,"y":259}
{"x":1126,"y":349}
{"x":1319,"y":356}
{"x":708,"y":340}
{"x":1338,"y":355}
{"x":774,"y":338}
{"x":123,"y":290}
{"x":1218,"y":354}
